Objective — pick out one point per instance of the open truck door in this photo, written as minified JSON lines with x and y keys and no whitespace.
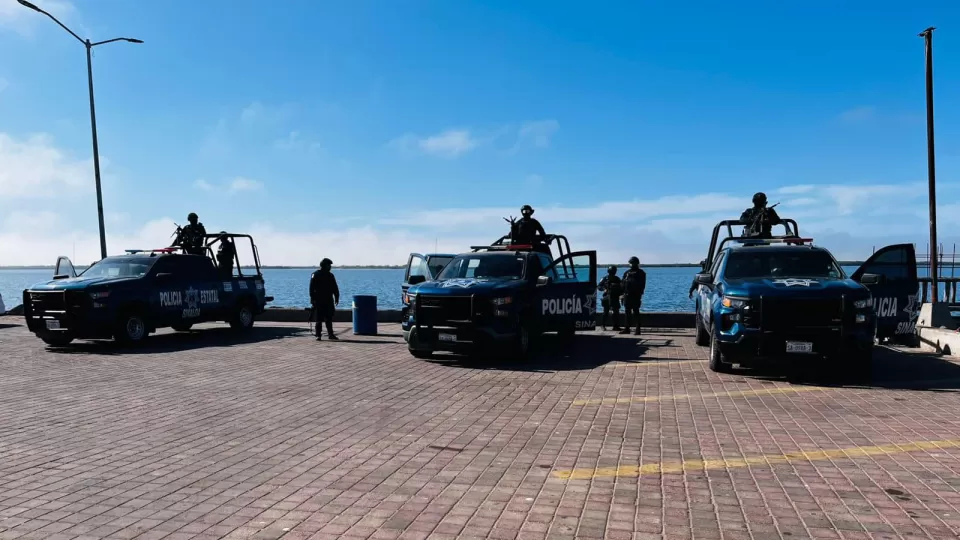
{"x":891,"y":276}
{"x":64,"y":269}
{"x":417,"y":270}
{"x":568,"y":293}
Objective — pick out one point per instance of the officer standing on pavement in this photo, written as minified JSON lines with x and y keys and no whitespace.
{"x":612,"y":290}
{"x":634,"y":283}
{"x":324,"y":297}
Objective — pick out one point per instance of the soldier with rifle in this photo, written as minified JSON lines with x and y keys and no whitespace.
{"x":612,"y":289}
{"x":190,"y":238}
{"x":759,"y":220}
{"x":528,"y":230}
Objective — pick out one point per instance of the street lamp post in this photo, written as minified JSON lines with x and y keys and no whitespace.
{"x":93,"y":113}
{"x":927,"y":36}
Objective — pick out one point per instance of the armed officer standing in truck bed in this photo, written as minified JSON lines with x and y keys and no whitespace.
{"x":528,"y":230}
{"x":634,"y":284}
{"x":191,"y":236}
{"x":759,"y":220}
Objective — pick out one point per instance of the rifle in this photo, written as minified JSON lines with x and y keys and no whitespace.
{"x":756,"y":226}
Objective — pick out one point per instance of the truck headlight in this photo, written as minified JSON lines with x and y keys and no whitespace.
{"x":502,"y":301}
{"x":734,"y":302}
{"x":99,"y":295}
{"x":862,"y":304}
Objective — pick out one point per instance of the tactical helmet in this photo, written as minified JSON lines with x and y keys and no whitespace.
{"x":526,"y":208}
{"x":192,"y":216}
{"x":611,"y":269}
{"x":634,"y":260}
{"x":326,"y":262}
{"x":759,"y":198}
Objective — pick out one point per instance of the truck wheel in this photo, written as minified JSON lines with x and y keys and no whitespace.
{"x":242,"y":317}
{"x":56,"y":340}
{"x":523,"y":341}
{"x":182,"y":327}
{"x":131,"y":328}
{"x":703,"y":337}
{"x":717,"y":363}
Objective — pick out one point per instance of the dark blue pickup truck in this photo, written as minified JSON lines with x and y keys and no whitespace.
{"x":784,"y":297}
{"x":126,"y":297}
{"x":500,"y":297}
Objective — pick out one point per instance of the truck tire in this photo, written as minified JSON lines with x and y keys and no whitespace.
{"x":717,"y":363}
{"x":132,"y":328}
{"x":242,"y":316}
{"x":56,"y":340}
{"x":421,"y":354}
{"x":703,"y":337}
{"x":522,"y":345}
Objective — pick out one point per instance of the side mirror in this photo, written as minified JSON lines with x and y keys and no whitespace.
{"x":703,"y":279}
{"x":871,"y":279}
{"x":416,"y":279}
{"x":543,"y":281}
{"x":163,"y":276}
{"x":61,"y":276}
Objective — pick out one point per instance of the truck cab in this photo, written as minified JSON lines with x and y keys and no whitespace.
{"x":500,"y":296}
{"x":784,"y":297}
{"x":126,"y":297}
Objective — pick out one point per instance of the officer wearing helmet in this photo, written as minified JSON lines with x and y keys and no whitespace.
{"x":612,"y":289}
{"x":759,"y":220}
{"x":527,"y":230}
{"x":324,"y":297}
{"x":634,"y":283}
{"x":191,"y":237}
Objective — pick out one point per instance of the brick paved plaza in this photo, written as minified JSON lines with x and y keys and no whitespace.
{"x":201,"y":435}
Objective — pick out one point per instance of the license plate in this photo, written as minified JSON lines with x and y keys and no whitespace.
{"x":53,"y":325}
{"x":799,"y":347}
{"x":448,"y":337}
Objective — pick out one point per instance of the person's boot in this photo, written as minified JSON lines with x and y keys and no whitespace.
{"x":626,"y":330}
{"x":616,"y":321}
{"x":333,"y":337}
{"x":637,"y":331}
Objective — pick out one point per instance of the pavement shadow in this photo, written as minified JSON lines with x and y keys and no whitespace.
{"x":6,"y":325}
{"x":555,"y":353}
{"x":183,"y":341}
{"x":892,"y":369}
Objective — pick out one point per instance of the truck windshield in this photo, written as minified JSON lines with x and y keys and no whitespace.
{"x":750,"y":264}
{"x":505,"y":266}
{"x":436,"y":264}
{"x":119,"y":268}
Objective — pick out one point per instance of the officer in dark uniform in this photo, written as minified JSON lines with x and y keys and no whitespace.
{"x":612,"y":290}
{"x":191,"y":236}
{"x":759,"y":220}
{"x":634,"y":283}
{"x":226,"y":254}
{"x":528,"y":230}
{"x":324,"y":297}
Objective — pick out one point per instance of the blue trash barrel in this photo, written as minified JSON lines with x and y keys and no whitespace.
{"x":364,"y":315}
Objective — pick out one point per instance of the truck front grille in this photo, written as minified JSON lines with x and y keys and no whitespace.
{"x":46,"y":301}
{"x":443,"y":309}
{"x":784,"y":314}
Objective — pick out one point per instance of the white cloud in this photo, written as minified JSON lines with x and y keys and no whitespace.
{"x":232,"y":186}
{"x":449,"y":144}
{"x":24,"y":21}
{"x":859,"y":114}
{"x":539,"y":132}
{"x":34,"y":168}
{"x":244,"y":184}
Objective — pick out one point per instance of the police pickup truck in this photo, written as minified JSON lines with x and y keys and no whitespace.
{"x":500,"y":296}
{"x":126,"y":297}
{"x":784,"y":297}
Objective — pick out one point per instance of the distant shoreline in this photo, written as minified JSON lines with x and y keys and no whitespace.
{"x":401,"y":267}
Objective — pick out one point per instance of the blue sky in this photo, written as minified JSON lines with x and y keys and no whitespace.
{"x":363,"y":130}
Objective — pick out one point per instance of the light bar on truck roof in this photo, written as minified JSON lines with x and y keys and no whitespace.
{"x":519,"y":247}
{"x":766,"y":241}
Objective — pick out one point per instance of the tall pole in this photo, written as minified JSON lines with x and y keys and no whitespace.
{"x":927,"y":36}
{"x":96,"y":153}
{"x":93,"y":113}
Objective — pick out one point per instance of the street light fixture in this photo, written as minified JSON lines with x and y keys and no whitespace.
{"x":93,"y":112}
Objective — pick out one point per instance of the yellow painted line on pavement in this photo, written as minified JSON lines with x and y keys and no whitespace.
{"x":713,"y":464}
{"x":646,"y":399}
